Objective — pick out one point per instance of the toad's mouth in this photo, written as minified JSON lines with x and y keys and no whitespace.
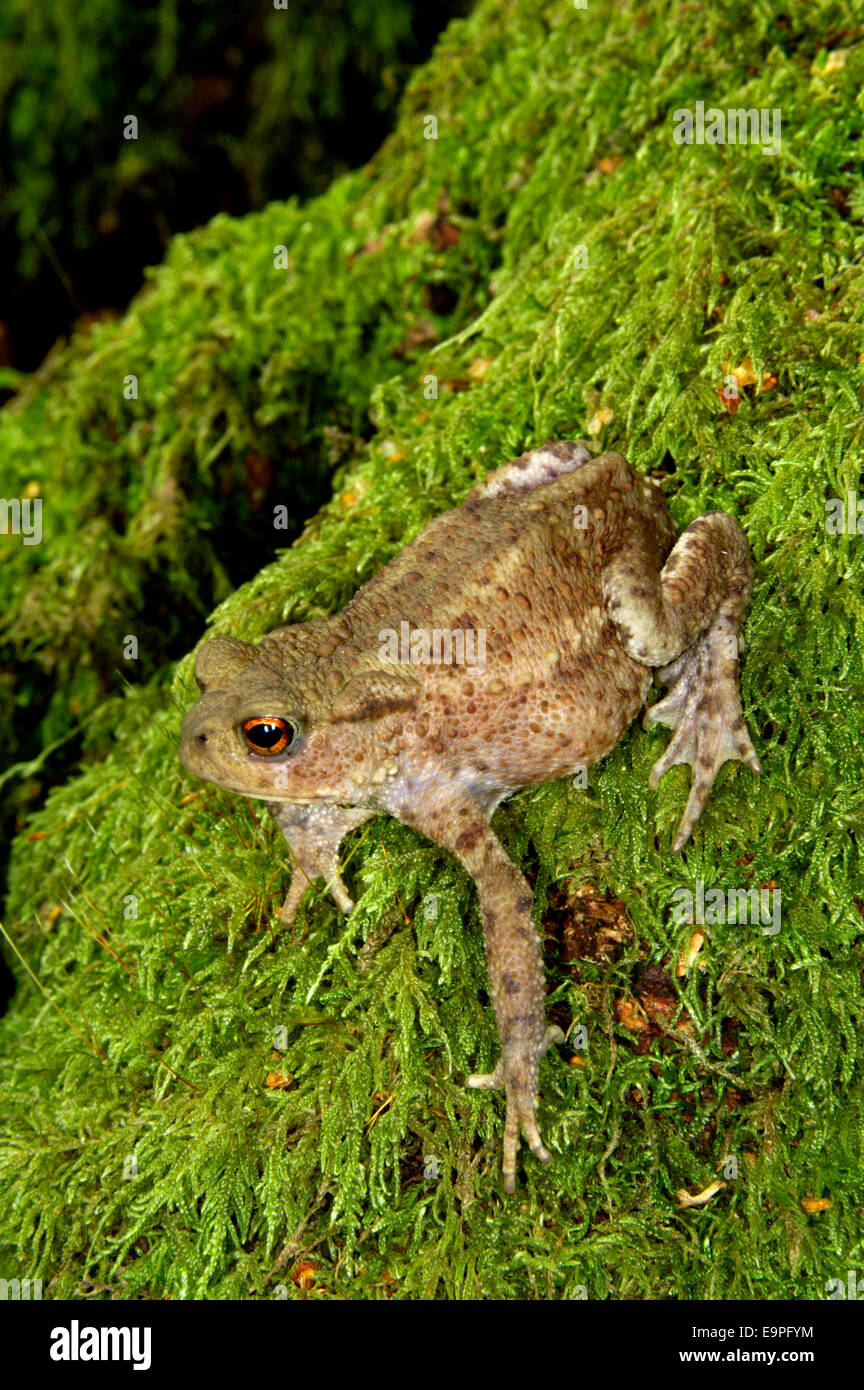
{"x":334,"y":797}
{"x":194,"y":760}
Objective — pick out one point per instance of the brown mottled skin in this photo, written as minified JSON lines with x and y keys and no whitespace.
{"x":567,"y":563}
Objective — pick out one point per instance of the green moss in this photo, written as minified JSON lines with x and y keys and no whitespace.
{"x":554,"y":131}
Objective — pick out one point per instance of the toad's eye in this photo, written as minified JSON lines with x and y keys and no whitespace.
{"x":267,"y":736}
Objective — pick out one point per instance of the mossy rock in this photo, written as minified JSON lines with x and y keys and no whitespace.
{"x":201,"y":1105}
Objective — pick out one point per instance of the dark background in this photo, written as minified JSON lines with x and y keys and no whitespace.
{"x":240,"y":104}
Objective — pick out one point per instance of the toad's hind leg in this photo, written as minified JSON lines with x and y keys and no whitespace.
{"x":514,"y":959}
{"x":541,"y":465}
{"x":687,"y":621}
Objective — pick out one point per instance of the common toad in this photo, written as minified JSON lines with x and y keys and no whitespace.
{"x":510,"y":644}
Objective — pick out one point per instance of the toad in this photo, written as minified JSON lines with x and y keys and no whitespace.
{"x":510,"y":644}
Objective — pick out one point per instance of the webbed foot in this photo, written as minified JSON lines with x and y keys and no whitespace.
{"x":703,"y":708}
{"x":516,"y":1074}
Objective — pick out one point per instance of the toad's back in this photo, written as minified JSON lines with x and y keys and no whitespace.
{"x":516,"y":555}
{"x":539,"y":683}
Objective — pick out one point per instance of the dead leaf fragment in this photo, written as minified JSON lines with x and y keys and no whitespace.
{"x":423,"y":224}
{"x":278,"y":1081}
{"x":603,"y":417}
{"x":420,"y":334}
{"x":436,"y":228}
{"x":689,"y":954}
{"x":745,"y":375}
{"x":305,"y":1274}
{"x":701,"y":1198}
{"x":631,"y":1015}
{"x":479,"y":367}
{"x":835,"y":61}
{"x":814,"y":1205}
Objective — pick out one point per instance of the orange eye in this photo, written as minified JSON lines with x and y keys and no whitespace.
{"x":268,"y":736}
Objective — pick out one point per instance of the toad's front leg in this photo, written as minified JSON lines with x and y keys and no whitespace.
{"x":514,"y":964}
{"x":687,"y":620}
{"x":314,"y":834}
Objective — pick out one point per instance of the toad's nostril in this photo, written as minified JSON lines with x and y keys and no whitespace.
{"x":202,"y":738}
